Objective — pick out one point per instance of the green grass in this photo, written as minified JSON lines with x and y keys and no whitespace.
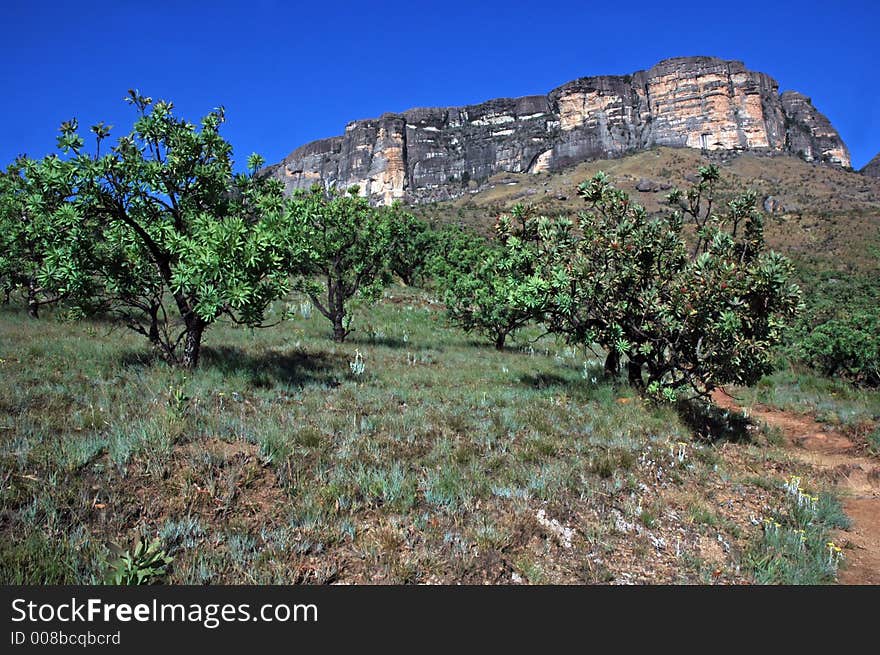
{"x":275,"y":463}
{"x":796,"y":546}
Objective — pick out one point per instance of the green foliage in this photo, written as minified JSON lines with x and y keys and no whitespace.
{"x":159,"y":233}
{"x":495,"y":289}
{"x":690,"y":318}
{"x":413,"y":242}
{"x":31,"y":196}
{"x":344,"y":247}
{"x":454,"y":249}
{"x":839,"y":332}
{"x":847,"y":346}
{"x":142,"y":565}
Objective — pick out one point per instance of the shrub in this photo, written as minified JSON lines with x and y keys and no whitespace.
{"x":344,"y":250}
{"x":495,"y":289}
{"x":847,"y":346}
{"x":158,"y":233}
{"x":689,"y":316}
{"x":413,"y":242}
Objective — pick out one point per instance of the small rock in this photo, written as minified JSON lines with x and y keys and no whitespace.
{"x":646,"y":185}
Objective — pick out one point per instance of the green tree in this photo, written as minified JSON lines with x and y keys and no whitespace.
{"x":846,"y":345}
{"x":453,"y":249}
{"x":495,"y":288}
{"x":345,"y":247}
{"x":413,"y":242}
{"x":31,"y":192}
{"x":688,"y":318}
{"x":839,"y":331}
{"x":168,"y":239}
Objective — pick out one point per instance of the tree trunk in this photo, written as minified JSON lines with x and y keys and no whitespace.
{"x":612,"y":363}
{"x":499,"y":341}
{"x":192,"y":343}
{"x":634,"y":373}
{"x":339,"y":331}
{"x":32,"y":304}
{"x":160,"y":347}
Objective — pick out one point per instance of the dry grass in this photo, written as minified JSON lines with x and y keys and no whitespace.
{"x":824,"y":214}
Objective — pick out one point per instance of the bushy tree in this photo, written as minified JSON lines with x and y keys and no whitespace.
{"x":413,"y":243}
{"x":344,"y":247}
{"x":495,"y":288}
{"x":848,"y":346}
{"x":685,"y":318}
{"x":31,"y":192}
{"x":454,"y":248}
{"x":167,"y":238}
{"x":839,"y":331}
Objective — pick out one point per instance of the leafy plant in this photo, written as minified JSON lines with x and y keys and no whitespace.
{"x":158,"y":233}
{"x":839,"y":331}
{"x":344,"y":247}
{"x":496,"y":289}
{"x":847,"y":346}
{"x":454,"y":249}
{"x":146,"y":563}
{"x":689,"y":318}
{"x":413,"y":241}
{"x":31,"y":193}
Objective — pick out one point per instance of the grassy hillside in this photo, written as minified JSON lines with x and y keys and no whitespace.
{"x":443,"y":461}
{"x":415,"y":453}
{"x":822,"y":215}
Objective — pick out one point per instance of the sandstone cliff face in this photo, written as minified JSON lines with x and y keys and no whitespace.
{"x":695,"y":102}
{"x":872,"y":168}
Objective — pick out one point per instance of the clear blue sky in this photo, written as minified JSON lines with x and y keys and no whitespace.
{"x":289,"y":72}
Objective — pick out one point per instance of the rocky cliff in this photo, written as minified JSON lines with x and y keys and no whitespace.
{"x":695,"y":102}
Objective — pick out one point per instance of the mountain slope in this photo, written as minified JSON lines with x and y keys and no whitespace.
{"x":872,"y":168}
{"x":816,"y":213}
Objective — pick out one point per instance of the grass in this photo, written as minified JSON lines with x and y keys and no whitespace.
{"x":278,"y":462}
{"x":796,"y":546}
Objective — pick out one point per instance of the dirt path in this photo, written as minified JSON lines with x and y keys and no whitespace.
{"x":856,"y":476}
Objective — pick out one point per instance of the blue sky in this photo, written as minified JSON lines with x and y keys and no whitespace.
{"x":290,"y":72}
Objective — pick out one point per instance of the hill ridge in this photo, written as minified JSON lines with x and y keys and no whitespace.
{"x":437,"y":153}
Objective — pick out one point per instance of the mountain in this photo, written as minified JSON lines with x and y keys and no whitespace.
{"x":426,"y":155}
{"x":872,"y":168}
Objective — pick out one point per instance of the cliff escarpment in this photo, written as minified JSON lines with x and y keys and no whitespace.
{"x":437,"y":153}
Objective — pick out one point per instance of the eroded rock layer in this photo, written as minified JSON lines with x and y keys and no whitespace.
{"x":695,"y":102}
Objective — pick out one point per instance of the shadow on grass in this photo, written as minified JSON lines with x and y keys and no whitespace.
{"x":388,"y":342}
{"x":265,"y":370}
{"x":269,"y":368}
{"x":544,"y":380}
{"x":712,"y":424}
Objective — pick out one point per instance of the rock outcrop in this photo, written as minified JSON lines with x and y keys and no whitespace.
{"x":695,"y":102}
{"x":872,"y":168}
